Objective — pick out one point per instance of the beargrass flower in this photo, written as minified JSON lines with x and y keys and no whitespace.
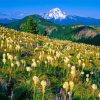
{"x":94,"y":86}
{"x":66,"y":86}
{"x":87,"y":75}
{"x":28,"y":69}
{"x":83,"y":65}
{"x":4,"y":61}
{"x":82,"y":73}
{"x":35,"y":80}
{"x":79,"y":62}
{"x":71,"y":84}
{"x":43,"y":84}
{"x":87,"y":79}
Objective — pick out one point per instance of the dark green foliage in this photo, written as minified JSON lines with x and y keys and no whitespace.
{"x":93,"y":41}
{"x":29,"y":26}
{"x":23,"y":92}
{"x":1,"y":58}
{"x":45,"y":33}
{"x":96,"y":77}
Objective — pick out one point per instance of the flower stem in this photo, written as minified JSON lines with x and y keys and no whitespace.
{"x":43,"y":96}
{"x":34,"y":92}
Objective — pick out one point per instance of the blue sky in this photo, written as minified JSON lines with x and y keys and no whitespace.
{"x":20,"y":8}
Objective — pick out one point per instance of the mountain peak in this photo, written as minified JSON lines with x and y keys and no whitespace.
{"x":55,"y":13}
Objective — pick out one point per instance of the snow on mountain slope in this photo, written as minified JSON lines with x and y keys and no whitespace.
{"x":55,"y":13}
{"x":57,"y":16}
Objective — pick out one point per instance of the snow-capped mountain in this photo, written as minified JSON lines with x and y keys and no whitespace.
{"x":55,"y":13}
{"x":58,"y":16}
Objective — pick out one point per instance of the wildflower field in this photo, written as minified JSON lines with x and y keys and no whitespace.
{"x":34,"y":67}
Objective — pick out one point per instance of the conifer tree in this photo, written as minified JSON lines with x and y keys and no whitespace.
{"x":29,"y":26}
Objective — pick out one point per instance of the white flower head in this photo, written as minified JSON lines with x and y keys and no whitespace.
{"x":94,"y":86}
{"x":28,"y":69}
{"x":82,"y":73}
{"x":87,"y":79}
{"x":66,"y":86}
{"x":87,"y":75}
{"x":35,"y":79}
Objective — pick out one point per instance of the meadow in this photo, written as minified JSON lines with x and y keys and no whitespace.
{"x":34,"y":67}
